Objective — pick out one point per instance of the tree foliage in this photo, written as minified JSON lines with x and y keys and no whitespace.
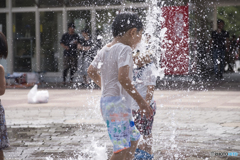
{"x":231,"y":16}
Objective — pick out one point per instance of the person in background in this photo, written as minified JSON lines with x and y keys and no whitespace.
{"x":97,"y":43}
{"x":230,"y":56}
{"x":86,"y":54}
{"x":69,"y":42}
{"x":3,"y":129}
{"x":219,"y":44}
{"x":238,"y":48}
{"x":237,"y":56}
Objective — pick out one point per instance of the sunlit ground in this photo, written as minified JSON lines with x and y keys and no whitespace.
{"x":188,"y":124}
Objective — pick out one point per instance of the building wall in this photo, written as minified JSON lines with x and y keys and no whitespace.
{"x":34,"y":30}
{"x":37,"y":27}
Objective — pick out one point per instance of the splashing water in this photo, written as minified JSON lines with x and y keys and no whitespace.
{"x":153,"y":45}
{"x":153,"y":38}
{"x":93,"y":152}
{"x":96,"y":152}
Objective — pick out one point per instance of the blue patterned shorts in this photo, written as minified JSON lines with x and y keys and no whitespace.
{"x":118,"y":117}
{"x":3,"y":130}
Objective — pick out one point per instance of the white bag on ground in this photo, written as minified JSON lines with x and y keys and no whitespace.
{"x":35,"y":96}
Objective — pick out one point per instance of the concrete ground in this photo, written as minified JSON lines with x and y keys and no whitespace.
{"x":189,"y":124}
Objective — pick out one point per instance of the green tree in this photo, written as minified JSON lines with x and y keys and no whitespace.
{"x":231,"y":17}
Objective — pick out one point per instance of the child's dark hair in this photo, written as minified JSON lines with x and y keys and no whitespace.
{"x":3,"y":46}
{"x":125,"y":21}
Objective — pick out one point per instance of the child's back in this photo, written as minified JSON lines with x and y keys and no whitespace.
{"x":109,"y":60}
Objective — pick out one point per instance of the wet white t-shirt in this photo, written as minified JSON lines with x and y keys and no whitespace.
{"x":108,"y":61}
{"x":142,"y":78}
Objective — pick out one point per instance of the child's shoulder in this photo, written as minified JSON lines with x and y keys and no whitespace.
{"x":120,"y":46}
{"x":123,"y":45}
{"x":123,"y":49}
{"x":1,"y":69}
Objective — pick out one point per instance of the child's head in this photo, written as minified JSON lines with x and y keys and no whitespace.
{"x":125,"y":21}
{"x":140,"y":59}
{"x":128,"y":24}
{"x":3,"y":46}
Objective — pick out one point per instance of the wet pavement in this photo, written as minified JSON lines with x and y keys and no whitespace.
{"x":190,"y":125}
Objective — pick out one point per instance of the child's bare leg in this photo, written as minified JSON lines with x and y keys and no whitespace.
{"x":119,"y":156}
{"x":126,"y":154}
{"x":131,"y":150}
{"x":146,"y":144}
{"x":1,"y":155}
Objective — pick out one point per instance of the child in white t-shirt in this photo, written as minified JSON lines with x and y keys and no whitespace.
{"x":145,"y":82}
{"x":114,"y":61}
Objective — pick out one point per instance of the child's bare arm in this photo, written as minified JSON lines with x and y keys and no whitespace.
{"x":92,"y":72}
{"x":149,"y":94}
{"x":2,"y":81}
{"x":131,"y":90}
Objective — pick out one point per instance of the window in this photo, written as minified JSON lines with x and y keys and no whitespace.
{"x":25,"y":3}
{"x":51,"y":32}
{"x":135,"y":1}
{"x":141,"y":12}
{"x":73,"y":3}
{"x":3,"y":23}
{"x":24,"y":42}
{"x":3,"y":4}
{"x":104,"y":19}
{"x":81,"y":19}
{"x":50,"y":3}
